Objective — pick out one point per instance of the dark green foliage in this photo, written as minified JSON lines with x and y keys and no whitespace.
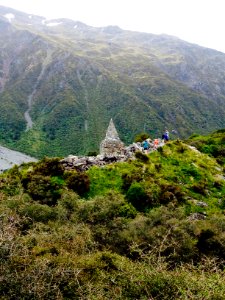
{"x":220,"y":131}
{"x":92,"y":153}
{"x":158,"y":167}
{"x":171,"y":193}
{"x":129,"y":178}
{"x":78,"y":182}
{"x":10,"y":185}
{"x":43,"y":183}
{"x":49,"y":167}
{"x":69,"y":201}
{"x":46,"y":181}
{"x":141,"y":137}
{"x":105,"y":209}
{"x":181,"y":149}
{"x":38,"y":212}
{"x":142,"y":157}
{"x":209,"y":244}
{"x":138,"y":197}
{"x":44,"y":189}
{"x":200,"y":188}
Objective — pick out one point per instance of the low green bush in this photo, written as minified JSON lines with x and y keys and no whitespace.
{"x":44,"y":189}
{"x":138,"y":197}
{"x":39,"y":212}
{"x":78,"y":182}
{"x":49,"y":167}
{"x":141,"y":137}
{"x":142,"y":157}
{"x":103,"y":209}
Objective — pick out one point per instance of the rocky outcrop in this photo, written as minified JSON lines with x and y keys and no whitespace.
{"x":197,"y":216}
{"x":83,"y":163}
{"x":112,"y":150}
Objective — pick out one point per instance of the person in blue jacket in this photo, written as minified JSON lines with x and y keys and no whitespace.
{"x":145,"y":146}
{"x":165,"y":136}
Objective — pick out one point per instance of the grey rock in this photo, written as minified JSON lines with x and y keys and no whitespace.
{"x":201,"y":204}
{"x":197,"y":216}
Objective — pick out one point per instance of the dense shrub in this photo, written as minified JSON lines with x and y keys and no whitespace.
{"x":129,"y":178}
{"x":212,"y":244}
{"x":159,"y":232}
{"x":138,"y":197}
{"x":141,"y":137}
{"x":39,"y":212}
{"x":142,"y":157}
{"x":10,"y":185}
{"x":171,"y":193}
{"x":103,"y":209}
{"x":49,"y":167}
{"x":78,"y":182}
{"x":92,"y":153}
{"x":200,"y":188}
{"x":45,"y":189}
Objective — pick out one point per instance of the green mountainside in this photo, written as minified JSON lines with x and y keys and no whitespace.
{"x":149,"y":228}
{"x":61,"y":82}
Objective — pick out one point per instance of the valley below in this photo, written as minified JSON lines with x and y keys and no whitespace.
{"x":9,"y":158}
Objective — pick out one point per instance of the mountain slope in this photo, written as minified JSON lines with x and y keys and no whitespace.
{"x":61,"y":81}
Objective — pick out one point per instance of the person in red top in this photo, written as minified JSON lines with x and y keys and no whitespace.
{"x":156,"y":143}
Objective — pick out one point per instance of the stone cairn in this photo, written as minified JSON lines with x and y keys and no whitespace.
{"x":112,"y":150}
{"x":112,"y":145}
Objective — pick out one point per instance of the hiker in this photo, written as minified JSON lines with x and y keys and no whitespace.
{"x":145,"y":146}
{"x":156,"y":144}
{"x":165,"y":136}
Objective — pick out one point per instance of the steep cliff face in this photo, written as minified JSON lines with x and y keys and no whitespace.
{"x":61,"y":81}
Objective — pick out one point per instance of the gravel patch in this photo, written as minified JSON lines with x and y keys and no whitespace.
{"x":9,"y":158}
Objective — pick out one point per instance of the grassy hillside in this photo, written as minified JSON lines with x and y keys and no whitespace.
{"x":213,"y":144}
{"x":151,"y":228}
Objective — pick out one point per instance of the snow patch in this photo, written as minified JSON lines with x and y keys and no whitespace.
{"x":43,"y":21}
{"x":54,"y":24}
{"x":30,"y":17}
{"x":75,"y":27}
{"x":9,"y":17}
